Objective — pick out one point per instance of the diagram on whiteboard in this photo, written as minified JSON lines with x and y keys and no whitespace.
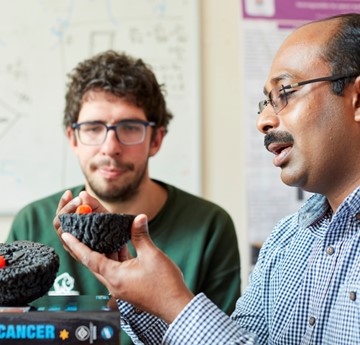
{"x":8,"y":118}
{"x":41,"y":43}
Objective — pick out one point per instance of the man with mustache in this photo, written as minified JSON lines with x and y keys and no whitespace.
{"x":305,"y":287}
{"x":115,"y":119}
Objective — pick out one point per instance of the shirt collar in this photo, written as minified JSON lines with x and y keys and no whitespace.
{"x":317,"y":206}
{"x":314,"y":209}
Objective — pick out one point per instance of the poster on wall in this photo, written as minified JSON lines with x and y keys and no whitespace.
{"x":265,"y":25}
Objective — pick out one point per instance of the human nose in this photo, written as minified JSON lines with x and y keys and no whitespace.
{"x":111,"y":145}
{"x":267,"y":120}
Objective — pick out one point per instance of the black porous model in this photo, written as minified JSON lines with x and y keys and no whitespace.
{"x":103,"y":232}
{"x":29,"y":272}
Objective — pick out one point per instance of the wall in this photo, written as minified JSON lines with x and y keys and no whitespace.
{"x":223,"y":146}
{"x":222,"y":123}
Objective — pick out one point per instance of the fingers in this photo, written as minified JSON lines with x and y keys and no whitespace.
{"x":66,"y":205}
{"x":91,"y":201}
{"x":79,"y":250}
{"x":89,"y":258}
{"x":66,"y":197}
{"x":140,"y":237}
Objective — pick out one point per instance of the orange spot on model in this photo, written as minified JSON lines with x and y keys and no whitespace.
{"x":82,"y":209}
{"x":2,"y":262}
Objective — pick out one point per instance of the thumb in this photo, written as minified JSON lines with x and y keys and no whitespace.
{"x":140,"y":237}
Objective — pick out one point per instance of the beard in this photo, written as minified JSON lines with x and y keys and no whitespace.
{"x":113,"y":192}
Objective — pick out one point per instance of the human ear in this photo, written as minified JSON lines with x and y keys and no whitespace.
{"x":156,"y":140}
{"x":70,"y":133}
{"x":356,"y":100}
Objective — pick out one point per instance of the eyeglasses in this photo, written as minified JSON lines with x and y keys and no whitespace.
{"x":278,"y":98}
{"x":128,"y":132}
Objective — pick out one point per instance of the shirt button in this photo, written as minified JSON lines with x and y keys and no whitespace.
{"x":312,"y":321}
{"x":137,"y":310}
{"x":357,"y":216}
{"x":330,"y":250}
{"x":353,"y":295}
{"x":123,"y":321}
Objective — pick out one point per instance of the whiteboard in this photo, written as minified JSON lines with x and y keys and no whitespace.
{"x":42,"y":40}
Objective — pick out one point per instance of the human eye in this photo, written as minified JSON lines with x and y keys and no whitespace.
{"x":289,"y":93}
{"x":282,"y":95}
{"x":130,"y":127}
{"x":92,"y":128}
{"x":286,"y":92}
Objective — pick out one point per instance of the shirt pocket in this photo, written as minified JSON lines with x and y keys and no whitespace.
{"x":343,"y":326}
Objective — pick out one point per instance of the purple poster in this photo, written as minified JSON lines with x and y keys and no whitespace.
{"x":303,"y":10}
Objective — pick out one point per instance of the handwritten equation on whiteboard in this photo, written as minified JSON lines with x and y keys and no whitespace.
{"x":41,"y":43}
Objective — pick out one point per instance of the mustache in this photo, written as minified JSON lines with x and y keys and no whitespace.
{"x":106,"y":162}
{"x":278,"y":137}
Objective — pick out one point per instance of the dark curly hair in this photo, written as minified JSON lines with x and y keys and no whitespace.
{"x":121,"y":75}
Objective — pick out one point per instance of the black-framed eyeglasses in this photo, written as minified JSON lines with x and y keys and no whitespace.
{"x":127,"y":132}
{"x":278,"y":97}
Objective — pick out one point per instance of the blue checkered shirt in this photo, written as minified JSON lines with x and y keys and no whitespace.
{"x":304,"y":289}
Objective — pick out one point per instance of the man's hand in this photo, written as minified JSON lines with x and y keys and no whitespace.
{"x":151,"y":281}
{"x":69,"y":205}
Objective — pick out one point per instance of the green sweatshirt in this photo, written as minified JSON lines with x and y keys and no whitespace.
{"x":196,"y":234}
